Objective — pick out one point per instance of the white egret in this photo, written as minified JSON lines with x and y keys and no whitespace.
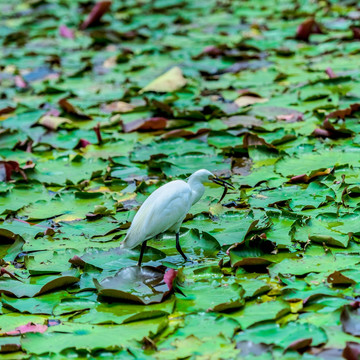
{"x":166,"y":208}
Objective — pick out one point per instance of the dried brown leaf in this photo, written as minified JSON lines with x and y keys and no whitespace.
{"x":305,"y":29}
{"x":96,"y":13}
{"x":71,"y":109}
{"x":155,"y":123}
{"x":351,"y":351}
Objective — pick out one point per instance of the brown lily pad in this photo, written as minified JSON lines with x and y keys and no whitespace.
{"x":144,"y":285}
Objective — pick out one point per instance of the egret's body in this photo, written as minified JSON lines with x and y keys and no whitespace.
{"x":165,"y":210}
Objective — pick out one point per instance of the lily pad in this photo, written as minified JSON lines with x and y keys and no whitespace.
{"x":145,"y":285}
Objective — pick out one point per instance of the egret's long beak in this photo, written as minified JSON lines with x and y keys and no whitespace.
{"x":222,"y":182}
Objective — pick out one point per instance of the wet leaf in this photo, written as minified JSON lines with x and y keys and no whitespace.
{"x":145,"y":285}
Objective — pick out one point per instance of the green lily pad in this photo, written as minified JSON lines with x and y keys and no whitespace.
{"x":258,"y":312}
{"x":205,"y":296}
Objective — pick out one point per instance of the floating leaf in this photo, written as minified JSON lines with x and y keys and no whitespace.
{"x":20,"y":82}
{"x":170,"y":81}
{"x":9,"y":344}
{"x":308,"y":27}
{"x":30,"y":327}
{"x":350,"y":319}
{"x":257,"y":312}
{"x":145,"y":285}
{"x":342,"y":114}
{"x":270,"y":333}
{"x":53,"y":122}
{"x":249,"y":100}
{"x":156,"y":123}
{"x":71,"y":109}
{"x":351,"y":351}
{"x":85,"y":336}
{"x":21,"y":289}
{"x":65,"y":32}
{"x":7,"y":168}
{"x":203,"y":296}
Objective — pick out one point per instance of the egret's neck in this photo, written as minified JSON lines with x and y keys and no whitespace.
{"x":197,"y":188}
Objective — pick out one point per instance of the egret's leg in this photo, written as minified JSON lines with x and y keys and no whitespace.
{"x":143,"y":247}
{"x":178,"y":247}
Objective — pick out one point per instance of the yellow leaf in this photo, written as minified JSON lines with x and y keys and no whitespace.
{"x":249,"y":100}
{"x":110,"y":62}
{"x":118,"y":106}
{"x":4,"y":117}
{"x":101,"y":189}
{"x":216,"y":209}
{"x":67,"y":218}
{"x":170,"y":81}
{"x":53,"y":122}
{"x":296,"y":306}
{"x":120,"y":197}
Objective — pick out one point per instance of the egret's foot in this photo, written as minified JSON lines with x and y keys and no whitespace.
{"x":192,"y":262}
{"x":185,"y":263}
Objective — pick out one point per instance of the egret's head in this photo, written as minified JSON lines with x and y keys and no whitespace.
{"x":205,"y":176}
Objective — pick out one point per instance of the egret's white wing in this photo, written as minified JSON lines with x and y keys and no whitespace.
{"x":161,"y":210}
